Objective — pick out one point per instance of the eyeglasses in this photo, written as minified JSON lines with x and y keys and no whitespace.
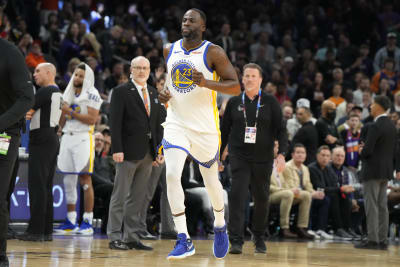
{"x":140,"y":68}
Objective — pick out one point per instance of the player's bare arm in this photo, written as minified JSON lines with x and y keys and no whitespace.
{"x":88,"y":119}
{"x":165,"y":95}
{"x":218,"y":61}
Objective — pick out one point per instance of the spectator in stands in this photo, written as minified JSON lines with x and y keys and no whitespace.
{"x":388,"y":72}
{"x":344,"y":177}
{"x":24,"y":43}
{"x":391,"y":50}
{"x":324,"y":178}
{"x":72,"y":64}
{"x":347,"y":52}
{"x":112,"y":80}
{"x":366,"y":104}
{"x":336,"y":94}
{"x":90,"y":47}
{"x":225,"y":41}
{"x":69,"y":47}
{"x":351,"y":140}
{"x":289,"y":46}
{"x":263,"y":41}
{"x":363,"y":63}
{"x":320,"y":55}
{"x":307,"y":135}
{"x":364,"y":86}
{"x":35,"y":56}
{"x":327,"y":131}
{"x":109,"y":40}
{"x":281,"y":93}
{"x":292,"y":187}
{"x":287,"y":112}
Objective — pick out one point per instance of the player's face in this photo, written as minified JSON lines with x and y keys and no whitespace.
{"x":79,"y":76}
{"x":192,"y":25}
{"x":251,"y":79}
{"x":39,"y":75}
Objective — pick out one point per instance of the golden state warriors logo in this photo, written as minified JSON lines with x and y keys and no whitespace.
{"x":181,"y":75}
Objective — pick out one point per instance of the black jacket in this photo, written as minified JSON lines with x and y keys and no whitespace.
{"x":323,"y":178}
{"x":16,"y":89}
{"x":132,"y":131}
{"x":270,"y":127}
{"x":324,"y":128}
{"x":379,"y":150}
{"x":308,"y":136}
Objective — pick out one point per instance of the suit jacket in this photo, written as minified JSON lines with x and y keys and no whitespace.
{"x":274,"y":184}
{"x":132,"y":131}
{"x":308,"y":136}
{"x":292,"y":177}
{"x":379,"y":150}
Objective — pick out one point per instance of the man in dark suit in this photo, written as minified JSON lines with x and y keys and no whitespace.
{"x":377,"y":156}
{"x":307,"y":134}
{"x":136,"y":117}
{"x":252,"y":122}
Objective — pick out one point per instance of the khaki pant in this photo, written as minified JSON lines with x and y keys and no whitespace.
{"x":286,"y":199}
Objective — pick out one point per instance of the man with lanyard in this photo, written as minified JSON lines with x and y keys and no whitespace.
{"x":16,"y":98}
{"x":251,"y":154}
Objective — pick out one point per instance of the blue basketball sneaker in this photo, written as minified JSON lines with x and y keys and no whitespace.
{"x":183,"y":248}
{"x":67,"y":228}
{"x":221,"y":242}
{"x":85,"y":229}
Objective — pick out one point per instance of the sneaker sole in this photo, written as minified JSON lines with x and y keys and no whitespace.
{"x":65,"y":232}
{"x":85,"y":232}
{"x":187,"y":254}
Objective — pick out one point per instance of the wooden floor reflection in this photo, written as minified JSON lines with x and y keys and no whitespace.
{"x":86,"y":251}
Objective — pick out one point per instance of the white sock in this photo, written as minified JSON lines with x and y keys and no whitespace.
{"x":215,"y":192}
{"x":88,"y":216}
{"x":71,"y":215}
{"x":180,"y":224}
{"x":219,"y":218}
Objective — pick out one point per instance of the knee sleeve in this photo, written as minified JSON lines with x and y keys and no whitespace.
{"x":213,"y":186}
{"x":70,"y":182}
{"x":175,"y":160}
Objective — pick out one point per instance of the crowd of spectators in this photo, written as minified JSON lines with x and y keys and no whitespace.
{"x":310,"y":51}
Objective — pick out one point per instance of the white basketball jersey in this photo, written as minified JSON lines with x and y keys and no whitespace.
{"x":88,"y":98}
{"x":191,"y":106}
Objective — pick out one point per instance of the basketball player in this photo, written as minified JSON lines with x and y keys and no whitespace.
{"x":192,"y":124}
{"x":80,"y":110}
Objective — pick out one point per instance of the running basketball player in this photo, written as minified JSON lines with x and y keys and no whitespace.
{"x":76,"y":157}
{"x":192,"y":124}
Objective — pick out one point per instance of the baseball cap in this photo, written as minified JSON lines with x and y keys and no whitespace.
{"x":303,"y":103}
{"x":391,"y":35}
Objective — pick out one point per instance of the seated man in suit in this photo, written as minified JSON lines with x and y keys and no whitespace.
{"x":324,"y":178}
{"x":287,"y":189}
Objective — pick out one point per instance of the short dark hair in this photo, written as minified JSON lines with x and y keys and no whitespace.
{"x":297,"y":145}
{"x":253,"y":66}
{"x":201,"y":13}
{"x":383,"y":101}
{"x":323,"y":147}
{"x":81,"y":66}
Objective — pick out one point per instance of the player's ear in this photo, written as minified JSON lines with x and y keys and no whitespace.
{"x":203,"y":27}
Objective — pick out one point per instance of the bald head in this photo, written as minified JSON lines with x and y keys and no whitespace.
{"x":140,"y":70}
{"x":45,"y":74}
{"x":328,"y":107}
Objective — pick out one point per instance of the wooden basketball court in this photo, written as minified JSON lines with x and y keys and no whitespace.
{"x":89,"y":251}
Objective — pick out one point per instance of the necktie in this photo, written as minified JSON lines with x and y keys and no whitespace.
{"x":146,"y":100}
